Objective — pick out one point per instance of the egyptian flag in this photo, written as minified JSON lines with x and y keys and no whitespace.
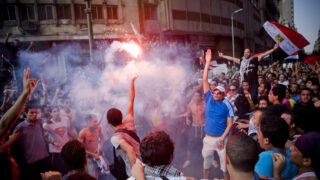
{"x":312,"y":59}
{"x":289,"y":40}
{"x":294,"y":56}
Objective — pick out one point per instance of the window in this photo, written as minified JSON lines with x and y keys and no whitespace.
{"x":79,"y":11}
{"x":10,"y":13}
{"x":27,"y":12}
{"x":150,"y":11}
{"x":45,"y":12}
{"x":64,"y":11}
{"x":96,"y":12}
{"x":112,"y":12}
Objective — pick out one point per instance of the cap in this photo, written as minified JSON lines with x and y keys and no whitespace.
{"x":220,"y":88}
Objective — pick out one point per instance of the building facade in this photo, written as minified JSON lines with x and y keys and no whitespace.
{"x":286,"y":8}
{"x":203,"y":23}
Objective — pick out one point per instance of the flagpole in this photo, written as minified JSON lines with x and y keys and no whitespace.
{"x":234,"y":12}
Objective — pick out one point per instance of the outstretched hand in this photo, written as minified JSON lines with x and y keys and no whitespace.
{"x":208,"y":55}
{"x":276,"y":46}
{"x":134,"y":77}
{"x":28,"y":84}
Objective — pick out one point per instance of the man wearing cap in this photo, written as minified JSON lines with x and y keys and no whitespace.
{"x":218,"y":122}
{"x":305,"y":154}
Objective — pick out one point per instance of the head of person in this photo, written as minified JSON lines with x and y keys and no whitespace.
{"x":218,"y":93}
{"x":294,"y":88}
{"x":114,"y":117}
{"x":272,"y":77}
{"x":288,"y":93}
{"x":305,"y":152}
{"x":277,"y":93}
{"x":157,"y":149}
{"x":309,"y":83}
{"x":233,"y":89}
{"x":257,"y":116}
{"x":241,"y":154}
{"x":273,"y":132}
{"x":264,"y":88}
{"x":263,"y":102}
{"x":306,"y":95}
{"x":282,"y":78}
{"x":288,"y":71}
{"x":293,"y":80}
{"x":73,"y":154}
{"x":315,"y":89}
{"x":197,"y":96}
{"x":80,"y":176}
{"x":55,"y":112}
{"x":234,"y":81}
{"x":67,"y":104}
{"x":247,"y":53}
{"x":245,"y":86}
{"x":214,"y":83}
{"x":39,"y":114}
{"x":16,"y":43}
{"x":222,"y":75}
{"x":304,"y":76}
{"x":302,"y":84}
{"x":260,"y":80}
{"x":290,"y":119}
{"x":31,"y":112}
{"x":92,"y":121}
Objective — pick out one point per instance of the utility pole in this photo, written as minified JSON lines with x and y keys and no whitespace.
{"x":90,"y":33}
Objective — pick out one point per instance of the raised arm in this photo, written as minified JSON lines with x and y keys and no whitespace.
{"x":30,"y":46}
{"x":236,"y":60}
{"x":131,"y":96}
{"x":7,"y":38}
{"x":10,"y":117}
{"x":205,"y":71}
{"x":275,"y":47}
{"x":269,"y":68}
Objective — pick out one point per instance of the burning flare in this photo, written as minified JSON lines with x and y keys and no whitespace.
{"x":132,"y":48}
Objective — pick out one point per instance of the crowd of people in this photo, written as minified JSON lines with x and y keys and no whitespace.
{"x":254,"y":123}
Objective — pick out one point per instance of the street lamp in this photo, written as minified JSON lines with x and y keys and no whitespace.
{"x":90,"y":32}
{"x":234,"y":12}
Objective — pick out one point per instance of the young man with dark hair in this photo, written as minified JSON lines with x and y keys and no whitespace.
{"x":305,"y":154}
{"x":195,"y":132}
{"x":35,"y":153}
{"x":263,"y":89}
{"x":57,"y":131}
{"x":242,"y":154}
{"x":290,"y":119}
{"x":218,"y":122}
{"x":92,"y":139}
{"x":126,"y":145}
{"x":73,"y":154}
{"x":277,"y":94}
{"x":249,"y":67}
{"x":307,"y":113}
{"x":157,"y":154}
{"x":272,"y":136}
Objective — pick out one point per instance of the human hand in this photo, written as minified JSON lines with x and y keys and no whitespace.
{"x":51,"y":175}
{"x":276,"y":46}
{"x":317,"y":104}
{"x":240,"y":125}
{"x":56,"y":144}
{"x":279,"y":161}
{"x":208,"y":56}
{"x":28,"y":84}
{"x":220,"y":144}
{"x":188,"y":122}
{"x":137,"y":171}
{"x":135,"y":76}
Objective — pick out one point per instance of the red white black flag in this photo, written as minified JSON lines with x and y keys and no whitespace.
{"x":289,"y":40}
